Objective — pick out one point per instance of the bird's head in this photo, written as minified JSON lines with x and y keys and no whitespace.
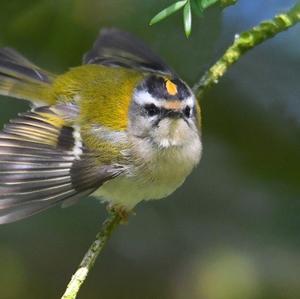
{"x":165,"y":111}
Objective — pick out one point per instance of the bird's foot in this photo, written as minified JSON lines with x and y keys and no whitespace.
{"x":122,"y":212}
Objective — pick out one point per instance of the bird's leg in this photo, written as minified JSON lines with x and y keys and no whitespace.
{"x":121,"y":211}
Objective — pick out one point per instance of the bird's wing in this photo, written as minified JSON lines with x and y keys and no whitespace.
{"x":117,"y":48}
{"x":43,"y":161}
{"x":21,"y":79}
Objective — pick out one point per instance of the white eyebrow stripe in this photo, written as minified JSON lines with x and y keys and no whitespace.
{"x":190,"y":101}
{"x":142,"y":98}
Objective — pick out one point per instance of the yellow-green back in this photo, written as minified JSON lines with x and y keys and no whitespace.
{"x":102,"y":93}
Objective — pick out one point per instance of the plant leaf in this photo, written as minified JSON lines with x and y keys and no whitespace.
{"x":187,"y":18}
{"x":168,"y":11}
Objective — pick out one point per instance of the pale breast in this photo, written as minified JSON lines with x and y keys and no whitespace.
{"x":159,"y":174}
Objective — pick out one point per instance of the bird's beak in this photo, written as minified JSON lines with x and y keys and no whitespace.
{"x":174,"y":114}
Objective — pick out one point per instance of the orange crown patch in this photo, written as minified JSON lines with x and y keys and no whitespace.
{"x":171,"y":88}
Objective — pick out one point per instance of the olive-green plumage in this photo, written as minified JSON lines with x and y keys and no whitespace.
{"x":104,"y":94}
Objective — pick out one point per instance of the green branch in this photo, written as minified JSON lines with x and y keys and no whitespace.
{"x":245,"y":42}
{"x":90,"y":257}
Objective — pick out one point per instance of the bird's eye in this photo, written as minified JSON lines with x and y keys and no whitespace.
{"x":187,"y":111}
{"x":151,"y":109}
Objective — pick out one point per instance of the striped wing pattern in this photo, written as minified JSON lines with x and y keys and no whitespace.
{"x":40,"y":166}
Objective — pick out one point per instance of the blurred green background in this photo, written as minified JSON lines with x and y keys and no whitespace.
{"x":232,"y":230}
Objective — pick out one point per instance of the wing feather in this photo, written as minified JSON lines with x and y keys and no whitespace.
{"x":117,"y":48}
{"x":39,"y":167}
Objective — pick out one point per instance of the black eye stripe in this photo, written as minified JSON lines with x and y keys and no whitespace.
{"x":152,"y":110}
{"x":187,"y":111}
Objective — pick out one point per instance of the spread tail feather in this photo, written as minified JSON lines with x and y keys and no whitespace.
{"x":19,"y":78}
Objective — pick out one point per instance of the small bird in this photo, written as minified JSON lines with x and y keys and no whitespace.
{"x":122,"y":127}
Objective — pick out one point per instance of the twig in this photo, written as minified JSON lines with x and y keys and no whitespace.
{"x":245,"y":42}
{"x":90,"y":257}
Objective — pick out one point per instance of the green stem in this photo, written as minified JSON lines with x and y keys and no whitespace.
{"x":91,"y":255}
{"x":245,"y":42}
